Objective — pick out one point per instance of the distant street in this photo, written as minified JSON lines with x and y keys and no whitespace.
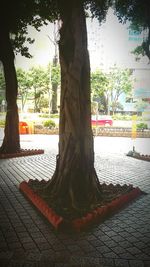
{"x":119,"y":145}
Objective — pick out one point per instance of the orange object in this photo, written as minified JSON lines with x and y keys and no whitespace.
{"x":23,"y":127}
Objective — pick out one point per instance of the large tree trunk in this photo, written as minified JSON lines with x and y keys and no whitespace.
{"x":11,"y":142}
{"x":74,"y":183}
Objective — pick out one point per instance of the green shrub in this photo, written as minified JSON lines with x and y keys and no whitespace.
{"x":44,"y":115}
{"x":54,"y":115}
{"x":2,"y":123}
{"x":142,"y":126}
{"x":123,"y":117}
{"x":49,"y":124}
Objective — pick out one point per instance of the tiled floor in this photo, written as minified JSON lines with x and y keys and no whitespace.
{"x":27,"y":239}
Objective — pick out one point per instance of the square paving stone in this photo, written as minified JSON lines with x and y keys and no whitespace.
{"x":133,"y":250}
{"x":125,"y":244}
{"x":121,"y":263}
{"x":43,"y":246}
{"x":106,"y":262}
{"x":14,"y":245}
{"x":118,"y":250}
{"x":33,"y":256}
{"x":110,"y":243}
{"x":111,"y":255}
{"x":146,"y":263}
{"x":136,"y":263}
{"x":103,"y":249}
{"x":96,"y":243}
{"x":29,"y":246}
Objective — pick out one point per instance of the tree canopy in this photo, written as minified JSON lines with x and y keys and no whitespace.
{"x":15,"y":17}
{"x":138,"y":14}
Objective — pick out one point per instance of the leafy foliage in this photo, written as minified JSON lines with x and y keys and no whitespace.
{"x":39,"y":82}
{"x":36,"y":84}
{"x":107,"y":87}
{"x":55,"y":75}
{"x":138,"y":13}
{"x":142,"y":126}
{"x":17,"y":15}
{"x":49,"y":124}
{"x":23,"y":86}
{"x":120,"y":82}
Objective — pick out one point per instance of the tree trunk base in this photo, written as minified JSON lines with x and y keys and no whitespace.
{"x":63,"y":207}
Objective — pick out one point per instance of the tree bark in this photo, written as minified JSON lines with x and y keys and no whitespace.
{"x":75,"y":182}
{"x":11,"y":142}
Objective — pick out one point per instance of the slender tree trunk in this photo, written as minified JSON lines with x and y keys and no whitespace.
{"x":75,"y":181}
{"x":54,"y":89}
{"x":11,"y":142}
{"x":54,"y":98}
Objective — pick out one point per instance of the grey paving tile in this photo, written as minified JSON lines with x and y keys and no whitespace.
{"x":146,"y":250}
{"x":118,"y":250}
{"x":29,"y":246}
{"x":7,"y":255}
{"x":103,"y":249}
{"x":136,"y":263}
{"x":143,"y":256}
{"x":33,"y":256}
{"x":123,"y":237}
{"x":121,"y":263}
{"x":146,"y":263}
{"x":133,"y":250}
{"x":14,"y":245}
{"x":110,"y":255}
{"x":125,"y":244}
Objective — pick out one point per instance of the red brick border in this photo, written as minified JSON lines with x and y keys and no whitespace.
{"x":22,"y":153}
{"x":142,"y":157}
{"x":81,"y":223}
{"x":38,"y":202}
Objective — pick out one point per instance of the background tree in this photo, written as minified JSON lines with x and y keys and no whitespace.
{"x":141,"y":105}
{"x":138,"y":14}
{"x":14,"y":19}
{"x":36,"y":83}
{"x":55,"y":81}
{"x":120,"y":81}
{"x":99,"y":87}
{"x":2,"y":85}
{"x":55,"y":67}
{"x":39,"y":83}
{"x":23,"y":86}
{"x":107,"y":87}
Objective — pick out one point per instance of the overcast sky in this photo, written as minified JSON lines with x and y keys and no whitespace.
{"x":108,"y":43}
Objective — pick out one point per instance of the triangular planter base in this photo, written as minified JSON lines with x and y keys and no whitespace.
{"x":142,"y":157}
{"x":22,"y":153}
{"x":97,"y":215}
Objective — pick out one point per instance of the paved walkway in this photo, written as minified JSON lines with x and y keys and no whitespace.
{"x":26,"y":238}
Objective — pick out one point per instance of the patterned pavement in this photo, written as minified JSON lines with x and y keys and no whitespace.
{"x":27,"y":239}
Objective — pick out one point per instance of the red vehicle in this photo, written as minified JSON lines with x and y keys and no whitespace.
{"x":101,"y":120}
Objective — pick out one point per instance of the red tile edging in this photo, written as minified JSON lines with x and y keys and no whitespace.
{"x":100,"y":213}
{"x":39,"y":203}
{"x":22,"y":153}
{"x":81,"y":223}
